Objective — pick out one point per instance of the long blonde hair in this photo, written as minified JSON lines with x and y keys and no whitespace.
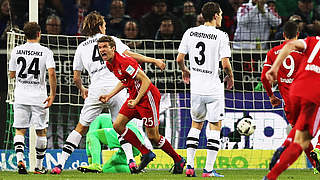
{"x":91,"y":23}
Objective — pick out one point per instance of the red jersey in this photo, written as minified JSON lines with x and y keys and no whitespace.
{"x":307,"y":82}
{"x":287,"y":71}
{"x":125,"y":68}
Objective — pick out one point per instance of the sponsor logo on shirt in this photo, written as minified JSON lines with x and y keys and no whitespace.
{"x":286,"y":80}
{"x":130,"y":70}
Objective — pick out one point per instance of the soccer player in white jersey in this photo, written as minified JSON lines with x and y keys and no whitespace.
{"x":207,"y":47}
{"x":28,"y":64}
{"x":102,"y":81}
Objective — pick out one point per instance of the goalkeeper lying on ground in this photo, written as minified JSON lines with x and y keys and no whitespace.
{"x":101,"y":131}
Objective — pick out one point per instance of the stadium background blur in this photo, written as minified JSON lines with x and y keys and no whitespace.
{"x":149,"y":19}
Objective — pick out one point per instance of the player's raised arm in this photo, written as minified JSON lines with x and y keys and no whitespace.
{"x":145,"y":83}
{"x":160,"y":63}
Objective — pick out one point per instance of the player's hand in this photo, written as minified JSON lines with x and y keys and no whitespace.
{"x":160,"y":63}
{"x":230,"y":82}
{"x":186,"y":76}
{"x":275,"y":101}
{"x":84,"y":93}
{"x":49,"y":101}
{"x":271,"y":75}
{"x":104,"y":98}
{"x":132,"y":103}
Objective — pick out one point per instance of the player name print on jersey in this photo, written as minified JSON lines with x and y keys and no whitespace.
{"x":29,"y":53}
{"x":203,"y":35}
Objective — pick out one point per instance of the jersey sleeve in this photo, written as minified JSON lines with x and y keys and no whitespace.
{"x":50,"y":60}
{"x":267,"y":65}
{"x":183,"y":47}
{"x":77,"y":62}
{"x":130,"y":68}
{"x":12,"y":62}
{"x":225,"y":50}
{"x":120,"y":46}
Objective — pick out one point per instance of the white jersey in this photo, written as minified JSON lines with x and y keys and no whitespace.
{"x":30,"y":62}
{"x":87,"y":56}
{"x":205,"y":45}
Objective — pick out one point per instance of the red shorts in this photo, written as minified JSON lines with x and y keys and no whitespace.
{"x":305,"y":115}
{"x":147,"y":109}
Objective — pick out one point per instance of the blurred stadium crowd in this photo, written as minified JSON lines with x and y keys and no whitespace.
{"x":243,"y":20}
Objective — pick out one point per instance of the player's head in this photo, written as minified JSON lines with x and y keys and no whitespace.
{"x":106,"y":46}
{"x":212,"y":12}
{"x":290,"y":30}
{"x":32,"y":31}
{"x":93,"y":24}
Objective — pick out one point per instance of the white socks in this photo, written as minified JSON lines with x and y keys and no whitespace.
{"x":192,"y":145}
{"x":72,"y":142}
{"x":18,"y":142}
{"x":41,"y":146}
{"x":213,"y":146}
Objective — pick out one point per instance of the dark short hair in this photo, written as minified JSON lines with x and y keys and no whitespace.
{"x":209,"y":9}
{"x":31,"y":30}
{"x":290,"y":29}
{"x":107,"y":39}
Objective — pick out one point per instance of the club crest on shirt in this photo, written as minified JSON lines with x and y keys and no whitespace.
{"x":130,"y":70}
{"x":119,"y":71}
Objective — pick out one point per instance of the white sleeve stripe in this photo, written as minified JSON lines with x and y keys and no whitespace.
{"x":135,"y":73}
{"x":267,"y":65}
{"x":314,"y":52}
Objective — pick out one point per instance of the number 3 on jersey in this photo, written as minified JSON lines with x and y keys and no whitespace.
{"x":201,"y":46}
{"x":96,"y":55}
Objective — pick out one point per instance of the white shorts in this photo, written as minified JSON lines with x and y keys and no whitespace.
{"x":93,"y":107}
{"x":205,"y":107}
{"x":24,"y":115}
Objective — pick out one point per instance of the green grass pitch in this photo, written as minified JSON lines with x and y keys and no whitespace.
{"x":292,"y":174}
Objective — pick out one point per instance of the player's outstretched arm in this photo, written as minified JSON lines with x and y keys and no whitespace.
{"x":144,"y":59}
{"x":145,"y":83}
{"x":118,"y":88}
{"x":228,"y":70}
{"x":184,"y":69}
{"x":77,"y":80}
{"x":53,"y":87}
{"x":285,"y":51}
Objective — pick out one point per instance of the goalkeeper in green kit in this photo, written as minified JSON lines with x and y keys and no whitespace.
{"x":101,"y":131}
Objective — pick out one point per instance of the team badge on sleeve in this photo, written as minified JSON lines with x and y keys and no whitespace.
{"x":130,"y":70}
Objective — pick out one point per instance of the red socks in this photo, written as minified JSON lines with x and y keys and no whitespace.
{"x":166,"y":147}
{"x":132,"y":138}
{"x":290,"y":138}
{"x":288,"y":157}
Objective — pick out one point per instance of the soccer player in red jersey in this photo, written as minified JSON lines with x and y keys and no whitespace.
{"x":304,"y":97}
{"x":286,"y":74}
{"x":143,"y":103}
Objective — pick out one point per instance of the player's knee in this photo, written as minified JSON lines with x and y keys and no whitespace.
{"x":154,"y":138}
{"x":118,"y":128}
